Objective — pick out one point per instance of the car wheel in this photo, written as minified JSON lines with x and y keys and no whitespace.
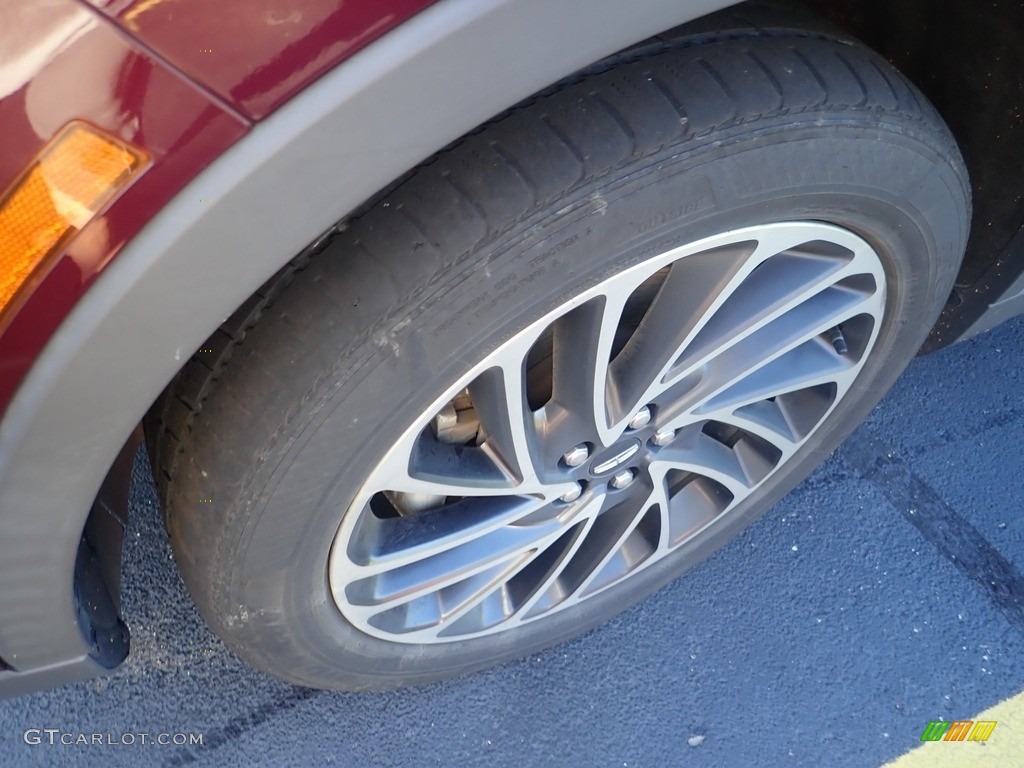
{"x":562,"y":362}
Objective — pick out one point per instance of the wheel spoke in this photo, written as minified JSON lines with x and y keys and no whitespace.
{"x":766,"y":420}
{"x":811,"y":364}
{"x":659,"y":498}
{"x":803,"y":359}
{"x":451,"y":539}
{"x":438,"y":566}
{"x":693,"y":289}
{"x":793,"y":280}
{"x":694,"y":504}
{"x":694,"y":451}
{"x":534,"y":581}
{"x":553,"y":588}
{"x":582,"y":343}
{"x":615,"y":545}
{"x":728,"y":300}
{"x":450,"y":486}
{"x":483,"y":604}
{"x":428,"y":615}
{"x":499,"y":396}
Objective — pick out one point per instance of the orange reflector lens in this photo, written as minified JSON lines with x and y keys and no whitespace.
{"x":70,"y":181}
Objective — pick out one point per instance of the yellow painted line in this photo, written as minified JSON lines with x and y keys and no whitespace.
{"x":1004,"y":748}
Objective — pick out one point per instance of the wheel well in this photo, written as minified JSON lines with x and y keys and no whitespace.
{"x":968,"y":60}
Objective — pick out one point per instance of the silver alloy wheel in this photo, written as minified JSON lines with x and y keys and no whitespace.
{"x":524,"y":489}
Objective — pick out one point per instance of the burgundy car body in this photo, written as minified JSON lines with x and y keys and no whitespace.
{"x":184,"y":92}
{"x":255,"y":55}
{"x":77,"y":66}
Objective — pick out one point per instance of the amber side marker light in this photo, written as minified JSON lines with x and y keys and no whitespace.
{"x":76,"y":174}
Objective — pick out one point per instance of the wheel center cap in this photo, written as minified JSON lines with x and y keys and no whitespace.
{"x":615,"y":457}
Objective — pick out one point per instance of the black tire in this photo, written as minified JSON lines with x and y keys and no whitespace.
{"x":277,"y":421}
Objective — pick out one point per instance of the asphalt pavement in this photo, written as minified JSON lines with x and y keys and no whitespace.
{"x":884,"y":593}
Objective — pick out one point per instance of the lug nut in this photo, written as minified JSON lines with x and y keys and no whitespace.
{"x":576,"y":456}
{"x":663,"y":437}
{"x":622,"y":479}
{"x":572,"y":494}
{"x":641,"y":419}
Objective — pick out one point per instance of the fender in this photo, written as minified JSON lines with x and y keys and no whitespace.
{"x":293,"y":176}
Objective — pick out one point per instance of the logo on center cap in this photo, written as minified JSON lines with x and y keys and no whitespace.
{"x":618,"y":458}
